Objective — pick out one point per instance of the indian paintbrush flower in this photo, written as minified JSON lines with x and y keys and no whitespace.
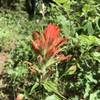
{"x":48,"y":44}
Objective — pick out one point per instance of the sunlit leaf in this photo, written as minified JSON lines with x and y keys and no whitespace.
{"x":59,"y":1}
{"x":86,"y":8}
{"x":96,"y":56}
{"x":70,"y":71}
{"x":53,"y":97}
{"x":90,"y":78}
{"x":89,"y":40}
{"x":87,"y":90}
{"x":94,"y":95}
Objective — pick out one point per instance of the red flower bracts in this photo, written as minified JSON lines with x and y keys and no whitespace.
{"x":48,"y":44}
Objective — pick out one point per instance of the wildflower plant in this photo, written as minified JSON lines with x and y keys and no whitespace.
{"x":47,"y":47}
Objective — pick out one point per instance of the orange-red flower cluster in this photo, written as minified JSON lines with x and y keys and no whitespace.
{"x":49,"y":42}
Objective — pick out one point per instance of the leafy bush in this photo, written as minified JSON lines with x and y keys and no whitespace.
{"x":76,"y":79}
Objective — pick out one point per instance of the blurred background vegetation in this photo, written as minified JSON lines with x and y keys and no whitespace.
{"x":79,"y":20}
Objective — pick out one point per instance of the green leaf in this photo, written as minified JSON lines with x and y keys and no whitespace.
{"x":50,"y":62}
{"x":94,"y":95}
{"x":97,"y":41}
{"x":87,"y":90}
{"x":97,"y":23}
{"x":10,"y":71}
{"x":59,"y":1}
{"x":85,"y":8}
{"x":96,"y":56}
{"x":53,"y":97}
{"x":84,"y":40}
{"x":89,"y":40}
{"x":88,"y":26}
{"x":90,"y":78}
{"x":71,"y":70}
{"x":18,"y":71}
{"x":50,"y":86}
{"x":34,"y":87}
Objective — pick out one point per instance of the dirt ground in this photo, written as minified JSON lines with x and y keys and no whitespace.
{"x":3,"y":59}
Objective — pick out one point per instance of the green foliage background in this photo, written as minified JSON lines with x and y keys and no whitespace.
{"x":79,"y":20}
